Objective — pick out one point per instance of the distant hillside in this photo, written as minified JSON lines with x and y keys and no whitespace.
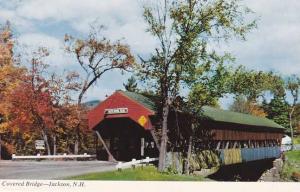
{"x":91,"y":104}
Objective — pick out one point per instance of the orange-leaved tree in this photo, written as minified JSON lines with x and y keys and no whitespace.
{"x":96,"y":55}
{"x":30,"y":102}
{"x":10,"y":74}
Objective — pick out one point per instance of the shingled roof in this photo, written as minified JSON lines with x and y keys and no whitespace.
{"x":238,"y":118}
{"x":213,"y":114}
{"x":141,"y":99}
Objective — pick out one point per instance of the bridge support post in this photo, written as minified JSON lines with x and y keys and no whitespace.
{"x":111,"y":157}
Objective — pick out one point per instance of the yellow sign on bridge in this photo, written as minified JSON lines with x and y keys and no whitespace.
{"x":142,"y":120}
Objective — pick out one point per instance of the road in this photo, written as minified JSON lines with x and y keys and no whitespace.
{"x":50,"y":169}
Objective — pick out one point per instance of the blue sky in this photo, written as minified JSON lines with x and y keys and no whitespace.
{"x":274,"y":45}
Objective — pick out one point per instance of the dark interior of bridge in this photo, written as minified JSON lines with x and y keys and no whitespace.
{"x":125,"y":139}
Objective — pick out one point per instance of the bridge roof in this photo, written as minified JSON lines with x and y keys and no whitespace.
{"x":141,"y":99}
{"x":238,"y":118}
{"x":213,"y":114}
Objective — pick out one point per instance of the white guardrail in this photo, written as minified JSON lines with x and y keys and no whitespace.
{"x":135,"y":162}
{"x":64,"y":156}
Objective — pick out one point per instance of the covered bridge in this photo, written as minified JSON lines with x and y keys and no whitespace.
{"x":127,"y":125}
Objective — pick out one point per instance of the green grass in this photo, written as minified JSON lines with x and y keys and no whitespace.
{"x":148,"y":173}
{"x":297,"y":140}
{"x":292,"y":164}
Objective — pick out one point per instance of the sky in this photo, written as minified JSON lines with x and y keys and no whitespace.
{"x":274,"y":45}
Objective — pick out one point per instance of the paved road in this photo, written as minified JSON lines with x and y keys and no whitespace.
{"x":50,"y":169}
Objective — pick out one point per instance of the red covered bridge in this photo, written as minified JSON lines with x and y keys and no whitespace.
{"x":126,"y":123}
{"x":123,"y":120}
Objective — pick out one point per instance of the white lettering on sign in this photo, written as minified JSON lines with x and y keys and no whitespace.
{"x":39,"y":141}
{"x":116,"y":111}
{"x":39,"y":144}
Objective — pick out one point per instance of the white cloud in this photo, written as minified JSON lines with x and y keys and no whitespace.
{"x":58,"y":58}
{"x":74,"y":9}
{"x":19,"y":23}
{"x":274,"y":45}
{"x":122,"y":18}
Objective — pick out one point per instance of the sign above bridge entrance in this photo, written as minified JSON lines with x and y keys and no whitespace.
{"x":116,"y":111}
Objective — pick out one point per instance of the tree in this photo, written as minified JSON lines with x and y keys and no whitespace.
{"x":29,"y":107}
{"x":293,"y":85}
{"x":131,"y":85}
{"x":64,"y":119}
{"x":277,"y":110}
{"x":183,"y":30}
{"x":6,"y":45}
{"x":253,"y":84}
{"x":9,"y":72}
{"x":209,"y":88}
{"x":96,"y":55}
{"x":250,"y":85}
{"x":10,"y":75}
{"x":40,"y":105}
{"x":296,"y":120}
{"x":241,"y":105}
{"x":278,"y":107}
{"x":35,"y":104}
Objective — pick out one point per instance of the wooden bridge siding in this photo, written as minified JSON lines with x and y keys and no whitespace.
{"x":253,"y":154}
{"x":234,"y":156}
{"x":238,"y":135}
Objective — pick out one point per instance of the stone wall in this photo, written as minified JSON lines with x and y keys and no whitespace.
{"x":273,"y":174}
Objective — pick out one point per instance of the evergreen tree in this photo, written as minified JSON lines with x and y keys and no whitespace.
{"x":131,"y":85}
{"x":278,"y":111}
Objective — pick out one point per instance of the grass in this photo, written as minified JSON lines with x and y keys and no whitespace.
{"x":148,"y":173}
{"x":291,"y":165}
{"x":297,"y":140}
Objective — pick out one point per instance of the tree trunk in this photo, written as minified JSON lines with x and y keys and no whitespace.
{"x":54,"y":145}
{"x":155,"y":139}
{"x":77,"y":131}
{"x":0,"y":148}
{"x":76,"y":146}
{"x":189,"y":152}
{"x":164,"y":138}
{"x":291,"y":127}
{"x":45,"y":137}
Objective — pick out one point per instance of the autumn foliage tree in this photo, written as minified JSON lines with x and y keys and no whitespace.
{"x":96,"y":55}
{"x":242,"y":105}
{"x":30,"y":101}
{"x":62,"y":110}
{"x":36,"y":104}
{"x":10,"y":74}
